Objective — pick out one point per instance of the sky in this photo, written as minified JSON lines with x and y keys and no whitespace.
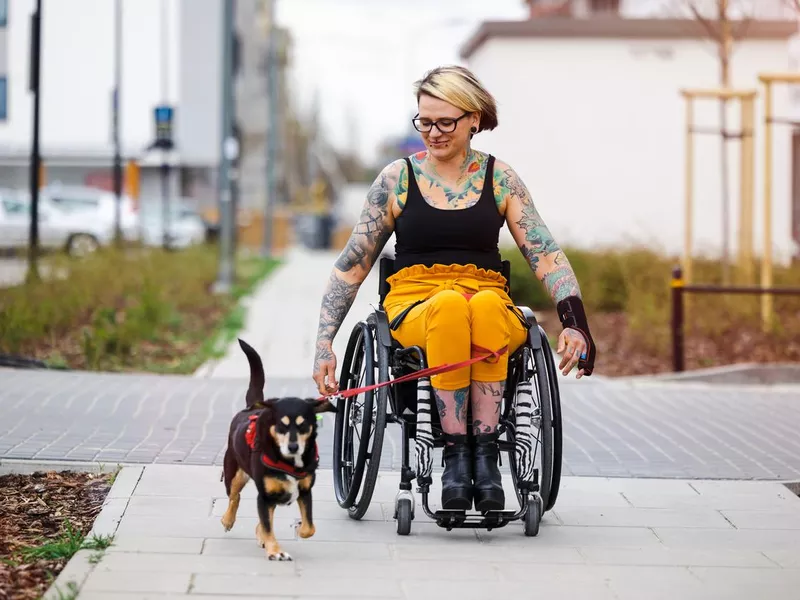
{"x":362,"y":57}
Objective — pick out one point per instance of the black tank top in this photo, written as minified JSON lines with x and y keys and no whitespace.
{"x":426,"y":235}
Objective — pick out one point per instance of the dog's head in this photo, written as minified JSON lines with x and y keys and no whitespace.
{"x":291,"y":423}
{"x":287,"y":427}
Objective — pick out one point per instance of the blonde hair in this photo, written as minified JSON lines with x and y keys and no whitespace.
{"x":458,"y":86}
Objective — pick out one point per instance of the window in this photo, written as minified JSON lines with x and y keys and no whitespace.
{"x":3,"y":13}
{"x":3,"y":97}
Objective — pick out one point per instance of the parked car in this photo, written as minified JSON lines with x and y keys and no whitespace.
{"x":97,"y":204}
{"x":186,"y":226}
{"x":77,"y":229}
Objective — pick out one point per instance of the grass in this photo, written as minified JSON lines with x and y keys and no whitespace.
{"x":143,"y":310}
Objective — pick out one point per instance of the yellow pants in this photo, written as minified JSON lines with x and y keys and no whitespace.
{"x":463,"y":307}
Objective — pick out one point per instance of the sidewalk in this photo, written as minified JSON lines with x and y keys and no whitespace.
{"x":606,"y":539}
{"x":282,"y":319}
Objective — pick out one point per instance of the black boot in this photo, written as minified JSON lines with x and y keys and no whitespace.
{"x":457,"y":475}
{"x":488,"y":487}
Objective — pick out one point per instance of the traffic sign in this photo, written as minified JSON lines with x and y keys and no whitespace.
{"x":164,"y":118}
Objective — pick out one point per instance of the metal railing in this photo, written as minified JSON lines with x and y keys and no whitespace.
{"x":678,"y":291}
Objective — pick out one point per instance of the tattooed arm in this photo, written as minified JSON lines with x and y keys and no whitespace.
{"x":369,"y":236}
{"x":545,"y":257}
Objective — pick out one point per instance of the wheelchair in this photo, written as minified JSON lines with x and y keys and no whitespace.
{"x":530,"y":424}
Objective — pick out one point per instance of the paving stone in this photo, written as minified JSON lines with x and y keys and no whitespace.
{"x":318,"y":550}
{"x":302,"y":587}
{"x":643,"y":517}
{"x":130,"y":543}
{"x":136,"y":581}
{"x":677,"y":557}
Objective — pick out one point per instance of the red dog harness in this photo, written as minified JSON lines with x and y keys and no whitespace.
{"x":278,"y":465}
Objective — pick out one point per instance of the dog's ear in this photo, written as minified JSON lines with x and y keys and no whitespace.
{"x":321,"y":406}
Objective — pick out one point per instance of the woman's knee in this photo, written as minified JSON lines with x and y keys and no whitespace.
{"x":488,"y":307}
{"x":448,"y":305}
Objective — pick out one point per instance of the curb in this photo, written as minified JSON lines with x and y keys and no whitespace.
{"x":79,"y":567}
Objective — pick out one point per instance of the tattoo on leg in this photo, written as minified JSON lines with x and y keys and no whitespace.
{"x":440,"y":405}
{"x":479,"y":427}
{"x":461,"y":396}
{"x":490,"y":389}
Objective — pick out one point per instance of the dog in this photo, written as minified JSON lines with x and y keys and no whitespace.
{"x":274,"y":443}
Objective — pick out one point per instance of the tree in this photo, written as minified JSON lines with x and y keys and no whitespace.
{"x":725,"y":22}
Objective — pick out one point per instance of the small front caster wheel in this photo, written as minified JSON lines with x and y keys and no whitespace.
{"x":403,"y":510}
{"x":532,"y":517}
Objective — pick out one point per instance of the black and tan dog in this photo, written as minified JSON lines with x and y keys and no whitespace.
{"x":274,"y":443}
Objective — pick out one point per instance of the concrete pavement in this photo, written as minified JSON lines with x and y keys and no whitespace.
{"x":606,"y":539}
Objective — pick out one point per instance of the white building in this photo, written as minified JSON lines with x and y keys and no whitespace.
{"x":592,"y":119}
{"x":171,"y":53}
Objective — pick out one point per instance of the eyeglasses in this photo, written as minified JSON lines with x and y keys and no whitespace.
{"x":445,"y":125}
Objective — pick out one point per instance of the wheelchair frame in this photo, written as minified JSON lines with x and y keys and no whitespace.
{"x":526,"y":425}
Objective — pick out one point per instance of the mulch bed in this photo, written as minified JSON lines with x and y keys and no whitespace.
{"x":623,"y":352}
{"x":40,"y":509}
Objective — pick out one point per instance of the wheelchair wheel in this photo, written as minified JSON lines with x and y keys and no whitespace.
{"x":360,"y":422}
{"x":535,"y":367}
{"x":555,"y":402}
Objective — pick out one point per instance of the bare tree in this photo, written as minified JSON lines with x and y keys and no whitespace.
{"x":725,"y":22}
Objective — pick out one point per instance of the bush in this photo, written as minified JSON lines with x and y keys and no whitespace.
{"x":636,"y":281}
{"x":140,"y":309}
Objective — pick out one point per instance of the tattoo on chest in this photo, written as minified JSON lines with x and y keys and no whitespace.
{"x":465,"y":192}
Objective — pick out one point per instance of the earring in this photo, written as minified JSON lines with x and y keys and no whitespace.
{"x":473,"y":129}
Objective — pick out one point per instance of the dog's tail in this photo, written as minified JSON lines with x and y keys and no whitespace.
{"x":255,"y":392}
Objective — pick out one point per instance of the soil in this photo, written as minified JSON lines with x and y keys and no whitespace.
{"x":39,"y":509}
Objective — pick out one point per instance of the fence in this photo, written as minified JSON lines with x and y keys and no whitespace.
{"x":678,"y":291}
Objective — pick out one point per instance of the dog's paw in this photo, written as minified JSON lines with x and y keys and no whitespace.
{"x":279,"y":556}
{"x":306,"y":531}
{"x":227,"y":522}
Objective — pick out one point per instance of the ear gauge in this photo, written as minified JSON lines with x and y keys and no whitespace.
{"x":473,"y":130}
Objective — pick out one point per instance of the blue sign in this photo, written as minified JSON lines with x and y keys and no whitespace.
{"x":164,"y":116}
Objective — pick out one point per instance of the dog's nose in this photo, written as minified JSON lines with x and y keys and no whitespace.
{"x":293,"y":446}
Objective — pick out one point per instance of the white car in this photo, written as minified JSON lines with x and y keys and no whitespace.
{"x":98,"y":205}
{"x":186,"y":227}
{"x":78,"y":229}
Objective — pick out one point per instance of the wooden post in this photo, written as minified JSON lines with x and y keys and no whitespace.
{"x":747,"y":190}
{"x":766,"y":257}
{"x":746,"y":97}
{"x":688,"y":217}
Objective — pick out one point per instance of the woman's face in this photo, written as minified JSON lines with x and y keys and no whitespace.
{"x":454,"y":140}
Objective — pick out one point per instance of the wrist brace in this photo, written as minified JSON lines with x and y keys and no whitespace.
{"x":573,"y":316}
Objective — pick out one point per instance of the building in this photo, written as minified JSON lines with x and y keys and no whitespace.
{"x":171,"y":54}
{"x":592,"y":118}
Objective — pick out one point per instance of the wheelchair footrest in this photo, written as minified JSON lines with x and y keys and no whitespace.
{"x":454,"y":519}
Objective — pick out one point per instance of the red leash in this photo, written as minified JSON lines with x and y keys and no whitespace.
{"x":427,"y":372}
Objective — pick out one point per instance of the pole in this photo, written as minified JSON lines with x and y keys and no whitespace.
{"x":116,"y":109}
{"x":766,"y":258}
{"x":677,"y":320}
{"x":224,"y":280}
{"x":35,"y":161}
{"x":165,"y":167}
{"x":748,"y":191}
{"x":689,"y":191}
{"x":272,"y":129}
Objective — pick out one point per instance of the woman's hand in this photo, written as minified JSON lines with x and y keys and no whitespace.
{"x":571,"y":344}
{"x":325,"y":369}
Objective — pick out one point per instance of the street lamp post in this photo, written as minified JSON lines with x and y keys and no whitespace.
{"x":229,"y":152}
{"x":115,"y":111}
{"x":35,"y":76}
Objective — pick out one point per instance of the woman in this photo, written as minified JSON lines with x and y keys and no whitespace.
{"x":446,"y":206}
